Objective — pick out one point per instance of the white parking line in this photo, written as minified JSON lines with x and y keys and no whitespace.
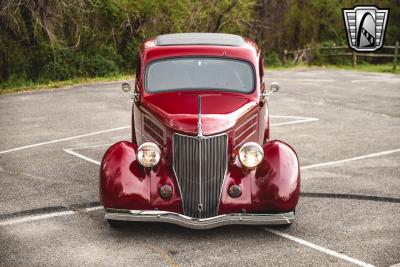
{"x":319,"y":248}
{"x":90,"y":146}
{"x":76,"y":154}
{"x":288,"y":117}
{"x":298,"y":120}
{"x":368,"y":80}
{"x":93,"y":208}
{"x":305,"y":80}
{"x":63,"y":139}
{"x":387,"y":152}
{"x":38,"y":217}
{"x":32,"y":218}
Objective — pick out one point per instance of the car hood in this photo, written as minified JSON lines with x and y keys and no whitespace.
{"x":179,"y":111}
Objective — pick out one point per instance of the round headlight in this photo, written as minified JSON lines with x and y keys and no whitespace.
{"x":148,"y":154}
{"x":251,"y":154}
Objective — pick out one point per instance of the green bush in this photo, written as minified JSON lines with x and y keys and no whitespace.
{"x":97,"y":65}
{"x":340,"y":60}
{"x":272,"y":59}
{"x":316,"y":58}
{"x":67,"y":63}
{"x":57,"y":71}
{"x":58,"y":64}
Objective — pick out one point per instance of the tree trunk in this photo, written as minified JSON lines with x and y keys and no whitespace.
{"x":26,"y":15}
{"x":4,"y":66}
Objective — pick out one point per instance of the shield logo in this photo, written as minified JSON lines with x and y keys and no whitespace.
{"x":365,"y":26}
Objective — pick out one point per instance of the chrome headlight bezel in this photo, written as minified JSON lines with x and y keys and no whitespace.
{"x":256,"y":150}
{"x":149,"y":154}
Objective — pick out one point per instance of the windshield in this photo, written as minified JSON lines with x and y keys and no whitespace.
{"x":200,"y":73}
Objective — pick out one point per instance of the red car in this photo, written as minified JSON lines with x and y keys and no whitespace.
{"x":200,"y":154}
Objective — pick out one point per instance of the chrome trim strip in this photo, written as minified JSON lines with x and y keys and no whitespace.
{"x":244,"y":123}
{"x":238,"y":136}
{"x":173,"y":169}
{"x":194,"y":223}
{"x":156,"y":123}
{"x":226,"y":172}
{"x":244,"y":140}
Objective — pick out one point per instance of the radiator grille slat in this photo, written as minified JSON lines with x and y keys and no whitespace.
{"x":200,"y":187}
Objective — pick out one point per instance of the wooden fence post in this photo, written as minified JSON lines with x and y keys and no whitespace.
{"x":396,"y":54}
{"x":354,"y":59}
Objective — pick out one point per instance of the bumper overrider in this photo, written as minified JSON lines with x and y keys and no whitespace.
{"x":269,"y":192}
{"x":195,"y":223}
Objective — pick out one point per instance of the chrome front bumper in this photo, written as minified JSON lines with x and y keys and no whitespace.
{"x":194,"y":223}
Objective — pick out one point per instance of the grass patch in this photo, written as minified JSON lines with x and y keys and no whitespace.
{"x":380,"y":68}
{"x":290,"y":66}
{"x":385,"y":68}
{"x":24,"y":86}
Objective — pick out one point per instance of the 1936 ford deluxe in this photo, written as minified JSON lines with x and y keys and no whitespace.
{"x":200,"y":154}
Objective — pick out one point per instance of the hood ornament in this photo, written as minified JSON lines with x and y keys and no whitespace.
{"x":199,"y":126}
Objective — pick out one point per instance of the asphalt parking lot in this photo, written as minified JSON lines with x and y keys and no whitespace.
{"x":344,"y":125}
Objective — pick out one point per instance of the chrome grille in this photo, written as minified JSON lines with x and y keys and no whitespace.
{"x":200,"y":165}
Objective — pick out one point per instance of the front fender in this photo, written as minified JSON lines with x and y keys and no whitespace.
{"x":274,"y":186}
{"x":125,"y":184}
{"x":122,"y":181}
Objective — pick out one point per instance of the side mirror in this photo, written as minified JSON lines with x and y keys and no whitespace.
{"x":126,"y":87}
{"x":274,"y":87}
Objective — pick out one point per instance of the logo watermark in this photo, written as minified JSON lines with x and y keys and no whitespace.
{"x":365,"y":26}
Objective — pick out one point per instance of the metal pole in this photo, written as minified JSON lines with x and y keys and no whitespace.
{"x":396,"y":54}
{"x":354,"y":59}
